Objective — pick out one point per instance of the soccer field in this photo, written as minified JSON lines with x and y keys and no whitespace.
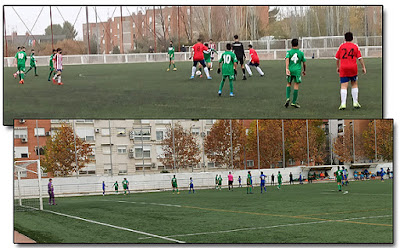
{"x":148,"y":91}
{"x":309,"y":213}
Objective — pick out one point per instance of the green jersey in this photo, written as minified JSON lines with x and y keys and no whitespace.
{"x":279,"y":178}
{"x":248,"y":179}
{"x":51,"y":60}
{"x":33,"y":60}
{"x":116,"y":185}
{"x":171,"y":51}
{"x":174,"y":181}
{"x":125,"y":184}
{"x":338,"y":177}
{"x":207,"y":54}
{"x":295,"y":57}
{"x":228,"y":59}
{"x":219,"y":180}
{"x":21,"y":57}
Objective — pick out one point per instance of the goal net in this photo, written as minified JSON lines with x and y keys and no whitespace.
{"x":27,"y":186}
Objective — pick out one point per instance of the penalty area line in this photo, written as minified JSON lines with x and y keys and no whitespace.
{"x":271,"y":227}
{"x":113,"y":226}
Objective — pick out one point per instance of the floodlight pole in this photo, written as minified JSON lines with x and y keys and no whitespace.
{"x":88,"y":28}
{"x":308,"y":146}
{"x":51,"y":28}
{"x":354,"y":147}
{"x":173,"y":143}
{"x":283,"y":144}
{"x":231,"y":140}
{"x":109,"y":130}
{"x":154,"y":29}
{"x":76,"y":158}
{"x":122,"y":32}
{"x":19,"y":186}
{"x":179,"y":40}
{"x":39,"y":170}
{"x":258,"y":147}
{"x":98,"y":32}
{"x":141,"y":132}
{"x":376,"y":147}
{"x":5,"y":33}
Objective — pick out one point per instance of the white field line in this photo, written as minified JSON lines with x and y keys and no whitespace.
{"x":334,"y":192}
{"x":270,"y":227}
{"x":109,"y":225}
{"x":148,"y":203}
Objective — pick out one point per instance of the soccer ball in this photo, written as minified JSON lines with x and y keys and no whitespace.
{"x":198,"y":73}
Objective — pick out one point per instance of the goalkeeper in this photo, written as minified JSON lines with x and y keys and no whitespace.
{"x":229,"y":62}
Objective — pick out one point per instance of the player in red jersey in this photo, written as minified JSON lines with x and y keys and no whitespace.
{"x":198,"y":57}
{"x":58,"y":67}
{"x":346,"y":63}
{"x":254,"y":61}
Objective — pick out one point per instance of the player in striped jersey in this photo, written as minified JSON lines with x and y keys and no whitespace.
{"x":212,"y":47}
{"x":191,"y":188}
{"x":58,"y":67}
{"x":52,"y":64}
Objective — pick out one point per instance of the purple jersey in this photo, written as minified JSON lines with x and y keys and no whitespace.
{"x":50,"y":187}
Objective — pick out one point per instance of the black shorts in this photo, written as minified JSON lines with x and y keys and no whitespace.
{"x":240,"y":60}
{"x":199,"y":61}
{"x":230,"y":182}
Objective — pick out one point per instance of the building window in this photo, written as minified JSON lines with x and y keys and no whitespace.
{"x":163,"y":121}
{"x":85,"y":133}
{"x":20,"y":133}
{"x":160,"y":152}
{"x":121,"y":131}
{"x":107,"y":169}
{"x":250,"y":163}
{"x":210,"y":122}
{"x":39,"y":131}
{"x":21,"y":152}
{"x":106,"y":149}
{"x":196,"y":131}
{"x":39,"y":151}
{"x":210,"y":164}
{"x":160,"y":133}
{"x":121,"y":149}
{"x":105,"y":132}
{"x":142,"y":152}
{"x":340,"y":128}
{"x":117,"y":25}
{"x":142,"y":132}
{"x":92,"y":156}
{"x":122,"y":169}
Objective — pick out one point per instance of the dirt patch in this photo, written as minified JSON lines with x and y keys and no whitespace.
{"x":22,"y":239}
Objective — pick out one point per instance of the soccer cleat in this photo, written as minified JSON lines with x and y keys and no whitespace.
{"x":231,"y":94}
{"x":201,"y":75}
{"x":209,"y":78}
{"x":48,"y":80}
{"x":244,"y":77}
{"x":168,"y":69}
{"x":287,"y":102}
{"x":262,"y":75}
{"x":296,"y":105}
{"x":219,"y":93}
{"x":60,"y":83}
{"x":54,"y":81}
{"x":21,"y":81}
{"x":191,"y":77}
{"x":211,"y":69}
{"x":175,"y":69}
{"x":356,"y":105}
{"x":15,"y":75}
{"x":342,"y":107}
{"x":36,"y":75}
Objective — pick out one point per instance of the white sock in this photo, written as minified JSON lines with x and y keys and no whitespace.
{"x":248,"y":69}
{"x":354,"y":94}
{"x":206,"y":71}
{"x":59,"y":79}
{"x":211,"y":65}
{"x":193,"y":70}
{"x":343,"y":95}
{"x":259,"y":70}
{"x":55,"y":76}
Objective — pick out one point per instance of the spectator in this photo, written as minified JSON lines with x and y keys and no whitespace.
{"x":272,"y":179}
{"x":355,"y":175}
{"x":151,"y":49}
{"x":300,"y":179}
{"x":183,"y":49}
{"x":290,"y":178}
{"x":326,"y":174}
{"x":310,"y":177}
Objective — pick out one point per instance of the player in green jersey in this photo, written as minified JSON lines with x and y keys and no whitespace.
{"x":207,"y":57}
{"x":19,"y":62}
{"x":171,"y":55}
{"x":249,"y":183}
{"x":32,"y":63}
{"x":216,"y":181}
{"x":229,"y":62}
{"x":339,"y":177}
{"x":219,"y":182}
{"x":294,"y":57}
{"x":17,"y":72}
{"x":125,"y":185}
{"x":279,"y":180}
{"x":52,"y":69}
{"x":116,"y":187}
{"x":174,"y":185}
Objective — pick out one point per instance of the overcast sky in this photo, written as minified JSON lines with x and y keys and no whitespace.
{"x":38,"y":18}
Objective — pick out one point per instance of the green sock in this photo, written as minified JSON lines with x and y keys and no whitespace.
{"x":173,"y":65}
{"x":50,"y":75}
{"x":177,"y":190}
{"x":22,"y":75}
{"x":295,"y":93}
{"x":200,"y":69}
{"x":287,"y":92}
{"x":231,"y":85}
{"x":35,"y":71}
{"x":222,"y":84}
{"x":247,"y":189}
{"x":251,"y":188}
{"x":169,"y":66}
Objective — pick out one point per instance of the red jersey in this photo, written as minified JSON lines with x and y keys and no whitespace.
{"x":348,"y":54}
{"x":198,"y":49}
{"x":254,"y":56}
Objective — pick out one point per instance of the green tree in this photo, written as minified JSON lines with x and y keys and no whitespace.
{"x":384,"y":140}
{"x":57,"y":30}
{"x":69,"y":30}
{"x":116,"y":50}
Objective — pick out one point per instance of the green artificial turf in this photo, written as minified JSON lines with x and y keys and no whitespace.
{"x":306,"y":213}
{"x":147,"y":90}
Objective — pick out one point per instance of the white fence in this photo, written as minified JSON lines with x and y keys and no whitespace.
{"x":84,"y":185}
{"x":272,"y":54}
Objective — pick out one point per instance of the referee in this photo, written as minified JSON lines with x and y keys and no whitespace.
{"x":238,"y":49}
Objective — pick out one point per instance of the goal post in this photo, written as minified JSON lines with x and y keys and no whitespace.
{"x":28,"y":191}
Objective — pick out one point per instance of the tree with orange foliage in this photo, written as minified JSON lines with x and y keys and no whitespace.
{"x":217,"y":145}
{"x":270,"y":132}
{"x":59,"y":156}
{"x":187,"y":150}
{"x":384,"y":140}
{"x":343,"y":145}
